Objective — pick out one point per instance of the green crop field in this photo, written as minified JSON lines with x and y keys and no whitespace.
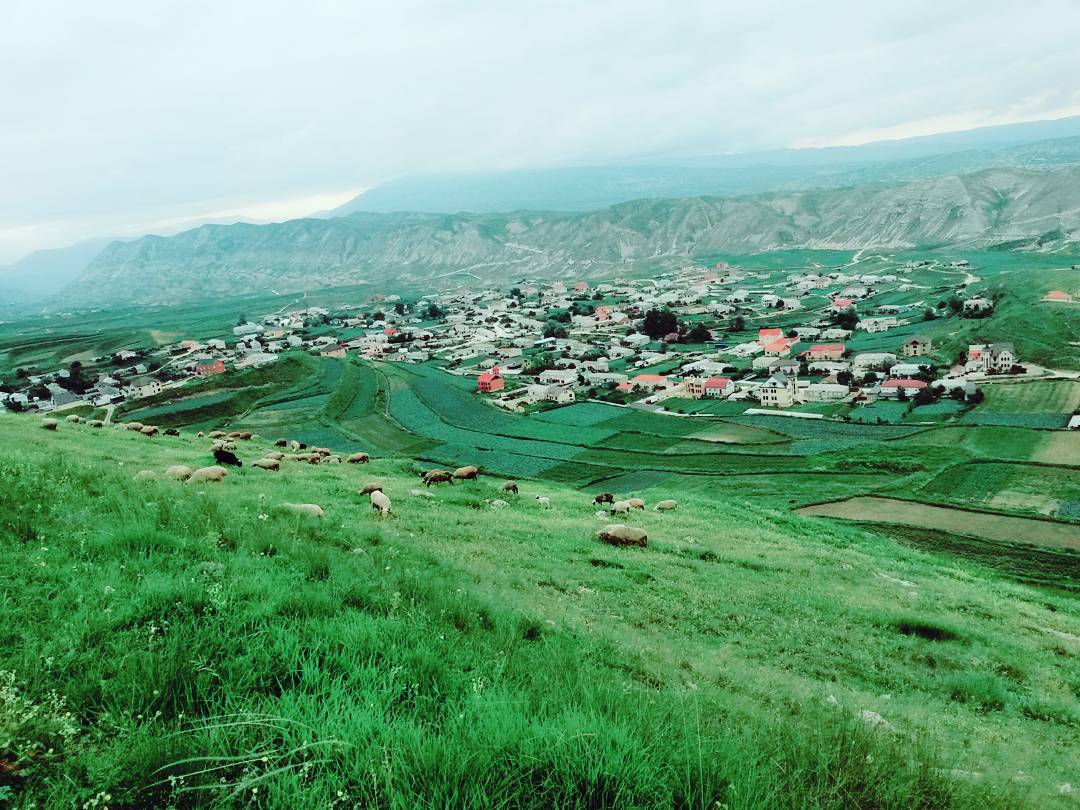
{"x":199,"y":645}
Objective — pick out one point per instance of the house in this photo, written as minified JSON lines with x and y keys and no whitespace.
{"x":778,"y":348}
{"x":908,"y":369}
{"x":993,"y":357}
{"x":916,"y":346}
{"x":777,"y":392}
{"x":876,"y":360}
{"x":1074,"y":423}
{"x":978,"y":306}
{"x":210,"y":369}
{"x":842,"y":305}
{"x":143,"y":388}
{"x":559,"y":393}
{"x":878,"y":324}
{"x":1059,"y":296}
{"x":554,"y":376}
{"x":891,"y":389}
{"x":767,"y":336}
{"x":699,"y":387}
{"x":247,"y":329}
{"x":637,"y":339}
{"x":835,"y":333}
{"x":649,"y":381}
{"x":825,"y":392}
{"x":825,"y":351}
{"x":490,"y":381}
{"x":337,"y":350}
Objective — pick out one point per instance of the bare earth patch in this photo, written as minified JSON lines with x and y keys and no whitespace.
{"x":1059,"y":448}
{"x":1003,"y":528}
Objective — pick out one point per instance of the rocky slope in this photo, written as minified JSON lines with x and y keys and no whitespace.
{"x":1013,"y":208}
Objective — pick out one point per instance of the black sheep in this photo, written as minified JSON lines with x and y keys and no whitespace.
{"x":227,"y":457}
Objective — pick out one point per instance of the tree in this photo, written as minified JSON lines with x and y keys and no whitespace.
{"x":845,"y":319}
{"x":659,"y":322}
{"x":240,"y":321}
{"x":929,"y":314}
{"x":433,"y":312}
{"x":738,"y":324}
{"x":379,"y":316}
{"x":955,"y":304}
{"x":515,"y":292}
{"x":399,"y":308}
{"x":698,"y":334}
{"x":553,"y":329}
{"x":845,"y":377}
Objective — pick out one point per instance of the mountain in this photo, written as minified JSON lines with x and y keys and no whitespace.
{"x":45,"y":272}
{"x":1044,"y":145}
{"x":1015,"y":208}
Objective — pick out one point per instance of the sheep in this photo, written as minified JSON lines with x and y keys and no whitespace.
{"x":358,"y":458}
{"x":269,"y":464}
{"x":438,"y":477}
{"x":601,"y":514}
{"x":199,"y":435}
{"x":149,"y":431}
{"x":275,"y":454}
{"x":636,"y":503}
{"x":334,"y":459}
{"x":466,"y":473}
{"x":322,"y":451}
{"x":314,"y":458}
{"x":499,"y":503}
{"x":619,"y":534}
{"x":620,"y":507}
{"x":172,"y":432}
{"x":223,"y":445}
{"x":603,"y":497}
{"x":223,"y":456}
{"x":144,"y":475}
{"x":50,"y":424}
{"x":96,"y":423}
{"x":368,"y":488}
{"x":234,"y":434}
{"x":510,"y":486}
{"x":216,"y":434}
{"x":294,"y":445}
{"x":181,"y":472}
{"x":665,"y":506}
{"x":133,"y":426}
{"x":543,"y":501}
{"x":309,"y":509}
{"x":202,"y":474}
{"x":281,"y":443}
{"x":74,"y":419}
{"x":303,"y":446}
{"x":380,"y":502}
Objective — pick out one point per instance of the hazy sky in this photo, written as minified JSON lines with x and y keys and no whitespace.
{"x":131,"y":115}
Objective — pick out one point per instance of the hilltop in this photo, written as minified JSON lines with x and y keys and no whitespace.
{"x":177,"y":643}
{"x":998,"y":208}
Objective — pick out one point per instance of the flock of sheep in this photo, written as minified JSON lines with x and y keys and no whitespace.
{"x":223,"y":448}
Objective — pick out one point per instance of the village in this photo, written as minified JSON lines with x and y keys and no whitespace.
{"x":810,"y":344}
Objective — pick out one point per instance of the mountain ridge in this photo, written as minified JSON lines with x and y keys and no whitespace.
{"x":1015,"y":208}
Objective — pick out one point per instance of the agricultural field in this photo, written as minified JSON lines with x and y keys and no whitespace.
{"x":452,"y":652}
{"x":1044,"y":490}
{"x":1046,"y":404}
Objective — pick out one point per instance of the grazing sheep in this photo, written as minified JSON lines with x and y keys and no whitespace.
{"x":620,"y":507}
{"x":294,"y":445}
{"x":271,"y":464}
{"x":217,"y":434}
{"x":245,"y":435}
{"x":303,"y":446}
{"x":50,"y":424}
{"x":380,"y":502}
{"x":602,"y":514}
{"x":438,"y":477}
{"x":510,"y":486}
{"x":223,"y":445}
{"x":334,"y":459}
{"x":466,"y":473}
{"x":96,"y":423}
{"x":149,"y":430}
{"x":309,"y":509}
{"x":133,"y":426}
{"x":543,"y":501}
{"x":665,"y":506}
{"x":322,"y":451}
{"x":74,"y":419}
{"x":367,"y":489}
{"x":234,"y":434}
{"x":314,"y":458}
{"x":213,"y":473}
{"x":619,"y":534}
{"x":172,"y":432}
{"x":358,"y":458}
{"x":199,"y":435}
{"x":223,"y":456}
{"x":181,"y":472}
{"x":499,"y":503}
{"x":603,"y":497}
{"x":281,"y":443}
{"x":144,"y":475}
{"x":636,"y":503}
{"x":276,"y":455}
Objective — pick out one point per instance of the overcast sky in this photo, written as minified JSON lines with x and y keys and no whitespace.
{"x":125,"y":116}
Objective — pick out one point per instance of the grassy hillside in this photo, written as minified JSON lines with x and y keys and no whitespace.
{"x":174,"y":644}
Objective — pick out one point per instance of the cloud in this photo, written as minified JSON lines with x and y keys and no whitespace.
{"x":128,"y":111}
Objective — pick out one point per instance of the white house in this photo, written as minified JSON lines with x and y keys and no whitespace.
{"x":777,"y":392}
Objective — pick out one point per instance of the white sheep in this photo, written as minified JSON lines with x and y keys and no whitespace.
{"x":620,"y":507}
{"x":543,"y":501}
{"x":665,"y":506}
{"x":213,"y":473}
{"x":309,"y":509}
{"x":181,"y":472}
{"x":380,"y":502}
{"x":499,"y":503}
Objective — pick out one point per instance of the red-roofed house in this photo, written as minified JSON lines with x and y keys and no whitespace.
{"x":778,"y":348}
{"x":1058,"y":295}
{"x":581,"y":286}
{"x":840,"y":304}
{"x":698,"y":387}
{"x":767,"y":336}
{"x":825,"y":351}
{"x":890,"y":389}
{"x":490,"y":381}
{"x":390,"y":331}
{"x":649,"y":381}
{"x":210,"y":369}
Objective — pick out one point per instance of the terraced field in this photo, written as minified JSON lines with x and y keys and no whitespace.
{"x":1032,"y":405}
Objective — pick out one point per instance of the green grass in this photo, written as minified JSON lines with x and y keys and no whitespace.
{"x":196,"y":645}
